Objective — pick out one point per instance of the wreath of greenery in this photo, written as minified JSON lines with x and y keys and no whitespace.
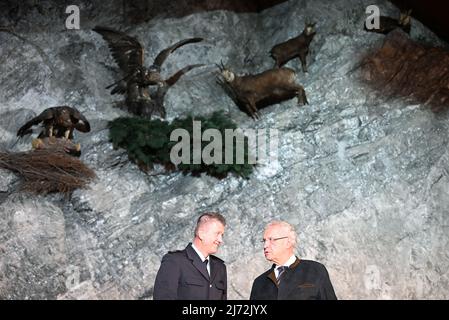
{"x":148,"y":142}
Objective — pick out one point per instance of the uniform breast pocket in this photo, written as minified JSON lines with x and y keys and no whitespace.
{"x":306,"y":285}
{"x":193,"y":289}
{"x":307,"y":291}
{"x":194,"y":282}
{"x":220,"y":285}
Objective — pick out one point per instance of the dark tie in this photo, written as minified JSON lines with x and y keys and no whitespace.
{"x":281,"y":270}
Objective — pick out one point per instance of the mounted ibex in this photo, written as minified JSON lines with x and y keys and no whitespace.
{"x":387,"y":24}
{"x":295,"y":47}
{"x":258,"y":90}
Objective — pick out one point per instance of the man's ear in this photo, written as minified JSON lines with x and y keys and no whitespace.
{"x":200,"y":234}
{"x":290,"y":243}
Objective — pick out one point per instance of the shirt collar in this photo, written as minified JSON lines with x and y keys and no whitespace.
{"x":198,"y":252}
{"x":289,"y":262}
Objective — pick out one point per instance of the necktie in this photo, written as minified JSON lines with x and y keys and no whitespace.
{"x":281,"y":270}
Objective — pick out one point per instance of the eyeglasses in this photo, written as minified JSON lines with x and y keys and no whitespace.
{"x":271,"y":240}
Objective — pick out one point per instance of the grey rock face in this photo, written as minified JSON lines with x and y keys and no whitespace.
{"x":363,"y":178}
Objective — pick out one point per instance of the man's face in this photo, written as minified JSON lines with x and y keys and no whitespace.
{"x":276,"y":244}
{"x":211,"y":234}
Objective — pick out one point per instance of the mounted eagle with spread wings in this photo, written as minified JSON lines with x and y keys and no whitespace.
{"x":129,"y":55}
{"x":58,"y":124}
{"x":58,"y":121}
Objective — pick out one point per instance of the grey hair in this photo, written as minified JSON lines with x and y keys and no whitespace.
{"x":206,"y":217}
{"x":291,"y":233}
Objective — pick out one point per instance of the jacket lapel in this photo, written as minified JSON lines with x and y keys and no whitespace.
{"x":213,"y":269}
{"x":272,"y":276}
{"x":196,"y":261}
{"x":287,"y":277}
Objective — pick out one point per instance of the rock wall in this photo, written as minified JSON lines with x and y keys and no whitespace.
{"x":362,"y":177}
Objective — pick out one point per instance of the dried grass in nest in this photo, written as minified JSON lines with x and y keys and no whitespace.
{"x":46,"y":171}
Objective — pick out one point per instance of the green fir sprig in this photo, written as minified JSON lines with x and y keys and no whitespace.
{"x":148,"y":142}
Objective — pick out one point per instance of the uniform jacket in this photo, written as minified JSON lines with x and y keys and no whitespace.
{"x":183,"y":276}
{"x":303,"y":280}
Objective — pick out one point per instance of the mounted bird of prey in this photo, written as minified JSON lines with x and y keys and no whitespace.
{"x":57,"y":122}
{"x":129,"y":55}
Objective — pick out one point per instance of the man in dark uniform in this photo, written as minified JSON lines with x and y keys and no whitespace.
{"x":290,"y":278}
{"x":194,"y":273}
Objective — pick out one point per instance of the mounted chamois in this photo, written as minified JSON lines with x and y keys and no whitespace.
{"x":293,"y":48}
{"x":252,"y":92}
{"x":387,"y":24}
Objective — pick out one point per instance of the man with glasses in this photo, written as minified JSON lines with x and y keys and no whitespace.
{"x":290,"y":278}
{"x":194,"y":273}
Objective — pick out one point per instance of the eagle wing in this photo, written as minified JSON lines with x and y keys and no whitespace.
{"x":47,"y":114}
{"x":162,"y":56}
{"x":80,"y":121}
{"x":174,"y":78}
{"x":126,"y":50}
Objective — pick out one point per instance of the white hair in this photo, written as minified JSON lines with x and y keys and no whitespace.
{"x":291,"y":233}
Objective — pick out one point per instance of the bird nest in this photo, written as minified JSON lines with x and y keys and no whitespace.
{"x":48,"y":170}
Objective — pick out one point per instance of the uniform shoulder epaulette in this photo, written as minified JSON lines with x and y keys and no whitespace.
{"x":217,"y":258}
{"x":175,"y":251}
